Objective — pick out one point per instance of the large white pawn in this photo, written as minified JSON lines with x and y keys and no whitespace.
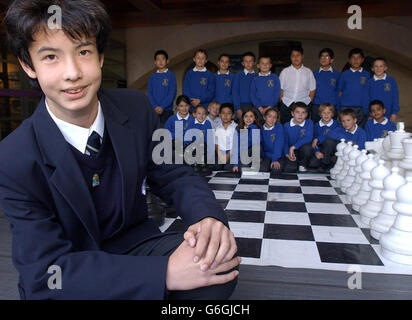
{"x":365,"y":190}
{"x":396,"y":244}
{"x":339,"y":162}
{"x":386,"y":217}
{"x":345,"y":168}
{"x":375,"y":202}
{"x":350,"y":177}
{"x":386,"y":146}
{"x":396,"y":154}
{"x":406,"y":163}
{"x":354,"y":188}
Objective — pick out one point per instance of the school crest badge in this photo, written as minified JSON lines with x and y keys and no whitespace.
{"x":186,"y":125}
{"x":271,"y":83}
{"x":326,"y":132}
{"x":302,"y":133}
{"x":203,"y":81}
{"x":165,"y":82}
{"x":273,"y":137}
{"x":362,"y":80}
{"x":227,"y":83}
{"x":387,"y":87}
{"x":333,"y":82}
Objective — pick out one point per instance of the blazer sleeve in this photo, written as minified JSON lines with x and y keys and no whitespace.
{"x":171,"y":94}
{"x":235,"y":92}
{"x":253,"y":94}
{"x":85,"y":274}
{"x":186,"y":86}
{"x":395,"y":98}
{"x":280,"y":140}
{"x":210,"y":89}
{"x":277,"y":91}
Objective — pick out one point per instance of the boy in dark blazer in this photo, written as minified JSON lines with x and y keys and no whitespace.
{"x":72,"y":178}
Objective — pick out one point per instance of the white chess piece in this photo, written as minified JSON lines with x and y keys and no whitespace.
{"x":386,"y":146}
{"x":386,"y":217}
{"x":406,"y":163}
{"x":396,"y":154}
{"x":375,"y":146}
{"x":396,"y":244}
{"x":350,"y":176}
{"x":339,"y":162}
{"x":364,"y":192}
{"x":354,"y":188}
{"x":375,"y":202}
{"x":345,"y":168}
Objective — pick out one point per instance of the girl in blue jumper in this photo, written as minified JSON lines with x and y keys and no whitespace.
{"x":250,"y":122}
{"x":271,"y":140}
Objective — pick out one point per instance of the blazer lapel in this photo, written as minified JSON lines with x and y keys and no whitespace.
{"x":67,"y":177}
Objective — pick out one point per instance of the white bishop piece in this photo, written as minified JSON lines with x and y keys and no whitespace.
{"x":396,"y":153}
{"x":354,"y":188}
{"x":345,"y":157}
{"x":386,"y":217}
{"x":350,"y":176}
{"x":375,"y":202}
{"x":364,"y":192}
{"x":339,"y":162}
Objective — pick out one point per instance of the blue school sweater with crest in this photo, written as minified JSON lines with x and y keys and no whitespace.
{"x":271,"y":142}
{"x":326,"y":86}
{"x":171,"y":126}
{"x":241,"y":89}
{"x":206,"y":125}
{"x":199,"y":85}
{"x":359,"y":137}
{"x":297,"y":136}
{"x":321,"y":133}
{"x":224,"y":85}
{"x":265,"y":90}
{"x":242,"y":144}
{"x":161,"y":90}
{"x":353,"y":88}
{"x":378,"y":130}
{"x":385,"y":90}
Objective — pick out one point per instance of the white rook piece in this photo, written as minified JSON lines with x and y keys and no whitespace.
{"x":396,"y":244}
{"x":364,"y":192}
{"x":350,"y":176}
{"x":355,"y":187}
{"x":339,"y":162}
{"x":375,"y":202}
{"x":386,"y":217}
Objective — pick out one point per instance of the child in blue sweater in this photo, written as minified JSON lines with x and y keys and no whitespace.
{"x":327,"y":80}
{"x":352,"y":87}
{"x":379,"y":125}
{"x":241,"y":85}
{"x":298,"y":140}
{"x":271,"y":141}
{"x":199,"y":83}
{"x":323,"y":150}
{"x":384,"y":88}
{"x":224,"y":80}
{"x":161,"y":90}
{"x":265,"y":88}
{"x":250,"y":122}
{"x":349,"y":129}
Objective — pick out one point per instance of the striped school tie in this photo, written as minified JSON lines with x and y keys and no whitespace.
{"x":93,"y":144}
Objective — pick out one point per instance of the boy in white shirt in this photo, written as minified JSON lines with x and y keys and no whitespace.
{"x":298,"y":84}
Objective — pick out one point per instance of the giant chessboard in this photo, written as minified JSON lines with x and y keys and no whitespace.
{"x":295,"y":221}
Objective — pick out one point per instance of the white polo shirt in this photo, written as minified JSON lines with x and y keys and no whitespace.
{"x":224,"y":137}
{"x":297,"y":84}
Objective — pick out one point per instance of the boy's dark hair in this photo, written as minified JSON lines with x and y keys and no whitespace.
{"x":348,"y":112}
{"x":380,"y":59}
{"x":182,"y":98}
{"x":242,"y":123}
{"x":228,"y":106}
{"x":200,"y":106}
{"x":298,"y":49}
{"x":24,"y":18}
{"x":223,"y":55}
{"x":299,"y":104}
{"x":328,"y":51}
{"x":249,"y":54}
{"x":376,"y":102}
{"x":265,"y":57}
{"x":161,"y":52}
{"x":356,"y":51}
{"x":201,"y":51}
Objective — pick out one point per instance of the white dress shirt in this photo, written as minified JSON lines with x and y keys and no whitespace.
{"x":297,"y":84}
{"x":224,"y":137}
{"x":78,"y":136}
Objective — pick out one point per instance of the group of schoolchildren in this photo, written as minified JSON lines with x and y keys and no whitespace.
{"x":296,"y":113}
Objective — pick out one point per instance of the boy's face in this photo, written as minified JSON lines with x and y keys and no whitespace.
{"x":214,"y":109}
{"x":356,"y":61}
{"x":348,"y":122}
{"x":271,"y":119}
{"x":248,"y":62}
{"x":377,"y":112}
{"x":325,"y":60}
{"x":183,"y":109}
{"x":200,"y":60}
{"x":226,"y":115}
{"x":161,"y":62}
{"x":200,"y":114}
{"x":326,"y":115}
{"x":223,"y":63}
{"x":297,"y":58}
{"x":264,"y":65}
{"x":68,"y":71}
{"x":379,"y":68}
{"x":299,"y":115}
